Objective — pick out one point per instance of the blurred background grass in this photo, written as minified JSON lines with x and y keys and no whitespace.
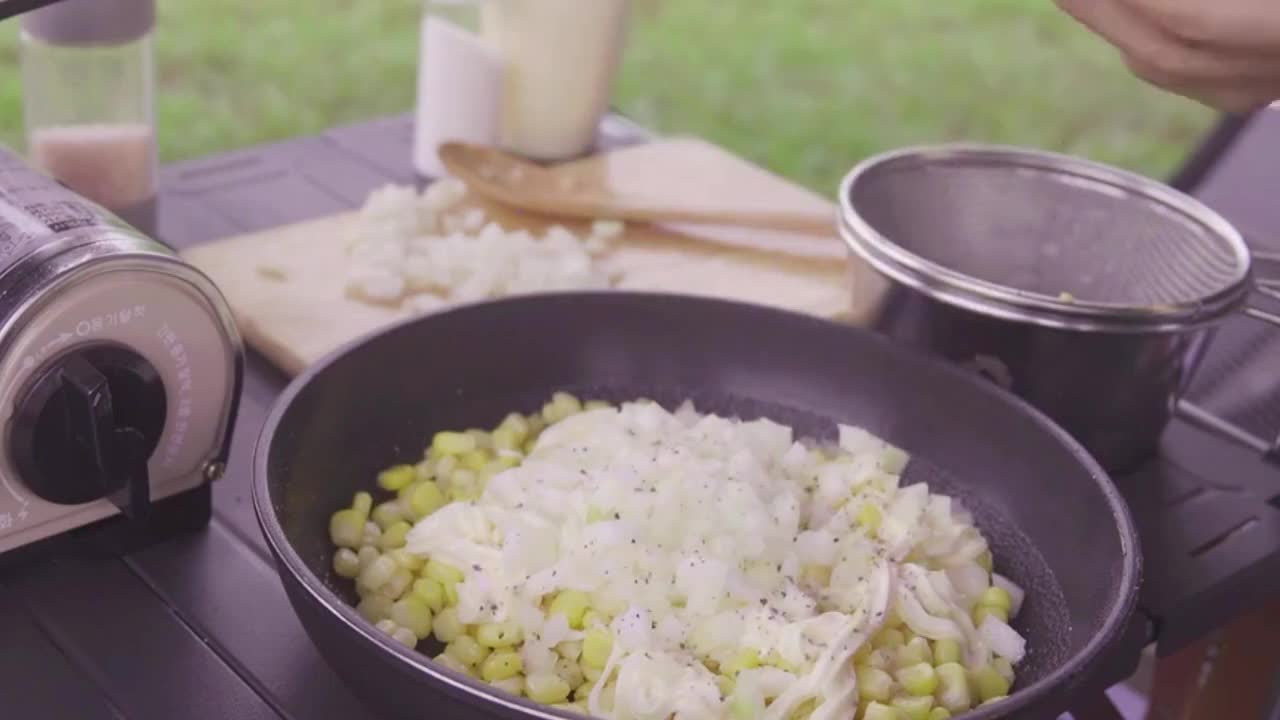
{"x":805,"y":87}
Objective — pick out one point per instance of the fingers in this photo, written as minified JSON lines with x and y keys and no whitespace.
{"x":1233,"y":98}
{"x":1156,"y":54}
{"x":1241,"y":25}
{"x":1228,"y":79}
{"x":1116,"y":22}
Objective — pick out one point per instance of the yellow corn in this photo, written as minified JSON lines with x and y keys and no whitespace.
{"x":466,"y":650}
{"x":346,"y":528}
{"x":891,"y":638}
{"x":443,"y":573}
{"x":874,"y":684}
{"x":985,"y":560}
{"x":915,"y":651}
{"x":546,"y":688}
{"x":499,"y":635}
{"x":513,"y":685}
{"x":596,"y":647}
{"x":878,"y":711}
{"x":447,"y":627}
{"x":374,"y":608}
{"x":425,"y":498}
{"x":452,"y":443}
{"x":572,"y":604}
{"x":1005,"y":668}
{"x":946,"y":651}
{"x":989,"y":683}
{"x":387,"y":514}
{"x":395,"y":478}
{"x":996,"y":597}
{"x":980,"y":613}
{"x":430,"y":592}
{"x":346,"y":563}
{"x":407,"y":560}
{"x":474,"y":460}
{"x":746,"y":659}
{"x":447,"y":661}
{"x":953,"y":687}
{"x":919,"y":679}
{"x":570,"y":672}
{"x":362,"y":503}
{"x":869,"y":517}
{"x":394,"y":536}
{"x":912,"y":708}
{"x":501,"y":666}
{"x":412,"y":613}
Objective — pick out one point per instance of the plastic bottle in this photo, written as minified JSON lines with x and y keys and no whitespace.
{"x":88,"y":93}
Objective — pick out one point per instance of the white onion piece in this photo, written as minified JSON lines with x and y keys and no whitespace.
{"x":1002,"y":639}
{"x":770,"y":681}
{"x":1016,"y":594}
{"x":921,"y":622}
{"x":644,"y":689}
{"x":969,"y":580}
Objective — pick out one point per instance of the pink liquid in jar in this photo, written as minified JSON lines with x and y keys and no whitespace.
{"x":110,"y":164}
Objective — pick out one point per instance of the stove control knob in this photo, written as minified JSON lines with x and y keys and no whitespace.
{"x":86,"y":425}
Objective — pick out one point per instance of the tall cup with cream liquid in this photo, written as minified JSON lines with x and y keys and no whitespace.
{"x":562,"y":57}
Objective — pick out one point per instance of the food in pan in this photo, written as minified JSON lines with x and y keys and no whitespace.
{"x":425,"y":250}
{"x":630,"y":562}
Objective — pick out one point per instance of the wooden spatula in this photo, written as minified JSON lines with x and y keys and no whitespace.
{"x":511,"y":181}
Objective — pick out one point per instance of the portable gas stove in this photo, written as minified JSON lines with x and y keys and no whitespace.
{"x":119,"y":370}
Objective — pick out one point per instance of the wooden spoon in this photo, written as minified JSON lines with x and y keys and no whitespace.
{"x":511,"y":181}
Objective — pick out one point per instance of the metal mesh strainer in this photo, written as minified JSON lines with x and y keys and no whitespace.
{"x":1045,"y":232}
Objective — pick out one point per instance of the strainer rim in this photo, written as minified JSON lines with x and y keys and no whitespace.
{"x":974,"y":293}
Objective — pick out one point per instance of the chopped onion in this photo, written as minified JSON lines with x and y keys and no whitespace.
{"x":969,"y":580}
{"x":402,"y":242}
{"x":705,"y":538}
{"x":1002,"y":639}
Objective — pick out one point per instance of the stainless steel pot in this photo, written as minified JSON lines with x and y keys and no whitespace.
{"x":1089,"y":291}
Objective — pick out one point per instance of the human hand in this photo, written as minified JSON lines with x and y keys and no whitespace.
{"x":1223,"y":53}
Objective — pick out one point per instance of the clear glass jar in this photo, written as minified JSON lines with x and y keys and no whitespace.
{"x":88,"y":98}
{"x":459,"y":82}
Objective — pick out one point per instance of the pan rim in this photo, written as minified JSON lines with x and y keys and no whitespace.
{"x":1112,"y":627}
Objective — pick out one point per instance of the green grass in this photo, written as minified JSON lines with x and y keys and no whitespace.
{"x":805,"y":87}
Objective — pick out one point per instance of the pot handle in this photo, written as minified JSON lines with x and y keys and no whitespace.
{"x":1268,"y":286}
{"x":1206,"y":420}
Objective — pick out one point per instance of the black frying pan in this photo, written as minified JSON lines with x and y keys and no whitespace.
{"x":1057,"y":525}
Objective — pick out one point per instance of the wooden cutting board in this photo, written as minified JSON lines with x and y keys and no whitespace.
{"x":285,"y":285}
